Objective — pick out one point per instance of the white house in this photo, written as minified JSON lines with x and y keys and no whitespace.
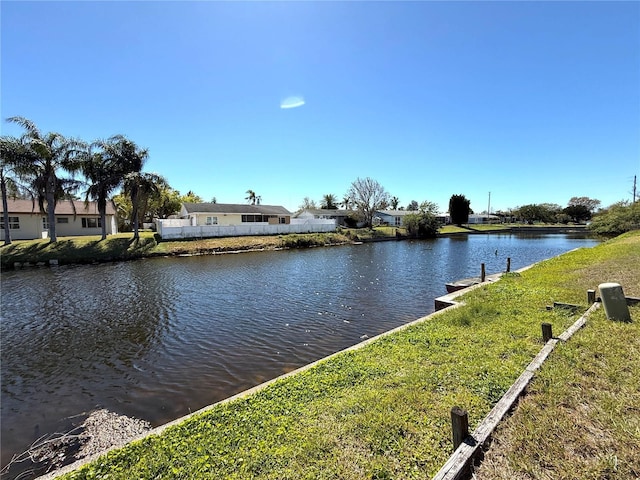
{"x":393,"y":218}
{"x":203,"y":220}
{"x":483,"y":218}
{"x":73,"y":218}
{"x":226,"y":214}
{"x":324,"y":214}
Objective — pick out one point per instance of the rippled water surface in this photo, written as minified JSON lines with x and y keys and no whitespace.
{"x":156,"y":339}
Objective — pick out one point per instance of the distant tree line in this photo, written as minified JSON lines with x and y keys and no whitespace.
{"x":48,"y":167}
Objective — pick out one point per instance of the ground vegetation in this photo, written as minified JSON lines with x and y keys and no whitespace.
{"x":382,"y":411}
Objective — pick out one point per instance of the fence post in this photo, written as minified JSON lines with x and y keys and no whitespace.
{"x":508,"y":264}
{"x":459,"y":426}
{"x":483,"y":273}
{"x":547,"y":332}
{"x":591,"y":296}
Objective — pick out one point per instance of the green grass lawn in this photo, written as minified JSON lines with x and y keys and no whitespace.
{"x":382,"y":411}
{"x":581,"y":415}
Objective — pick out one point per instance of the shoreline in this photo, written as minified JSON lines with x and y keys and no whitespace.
{"x":121,"y":247}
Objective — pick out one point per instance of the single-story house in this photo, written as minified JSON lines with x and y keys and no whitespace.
{"x":393,"y":218}
{"x":483,"y":218}
{"x":325,"y":214}
{"x":205,"y":220}
{"x":73,"y":218}
{"x":225,"y":214}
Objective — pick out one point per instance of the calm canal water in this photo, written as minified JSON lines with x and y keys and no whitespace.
{"x":156,"y":339}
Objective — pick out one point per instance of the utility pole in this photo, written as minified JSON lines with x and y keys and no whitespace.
{"x":634,"y":188}
{"x":489,"y":207}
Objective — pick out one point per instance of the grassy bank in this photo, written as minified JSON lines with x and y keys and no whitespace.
{"x":581,"y":416}
{"x":382,"y":411}
{"x":68,"y":250}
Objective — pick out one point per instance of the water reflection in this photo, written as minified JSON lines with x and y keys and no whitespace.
{"x":158,"y":338}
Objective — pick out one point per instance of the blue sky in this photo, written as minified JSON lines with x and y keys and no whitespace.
{"x":532,"y":101}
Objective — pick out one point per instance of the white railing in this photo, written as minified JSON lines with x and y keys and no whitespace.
{"x":172,"y":229}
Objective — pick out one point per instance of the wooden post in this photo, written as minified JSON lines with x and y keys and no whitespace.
{"x":591,"y":296}
{"x":508,"y":264}
{"x":483,"y":273}
{"x":547,"y":332}
{"x":459,"y":426}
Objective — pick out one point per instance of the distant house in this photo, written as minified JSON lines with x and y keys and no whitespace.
{"x":325,"y":214}
{"x":393,"y":218}
{"x":204,"y":220}
{"x":73,"y":218}
{"x":483,"y":218}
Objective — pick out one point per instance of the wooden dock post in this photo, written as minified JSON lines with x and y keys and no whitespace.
{"x":459,"y":426}
{"x":591,"y":297}
{"x":547,"y":332}
{"x":508,"y":264}
{"x":483,"y":273}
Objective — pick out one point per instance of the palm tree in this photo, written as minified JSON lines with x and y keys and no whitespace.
{"x":130,"y":158}
{"x":252,"y":198}
{"x":12,"y":153}
{"x":48,"y":154}
{"x":346,"y":202}
{"x":329,"y":202}
{"x":104,"y":170}
{"x":395,"y":201}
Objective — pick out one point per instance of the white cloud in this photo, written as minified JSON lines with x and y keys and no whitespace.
{"x":292,"y":102}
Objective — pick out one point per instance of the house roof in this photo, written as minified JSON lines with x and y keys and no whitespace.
{"x":235,"y":208}
{"x":396,"y":213}
{"x":326,"y":211}
{"x":63,"y":207}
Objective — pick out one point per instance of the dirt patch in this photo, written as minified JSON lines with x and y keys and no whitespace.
{"x":100,"y":431}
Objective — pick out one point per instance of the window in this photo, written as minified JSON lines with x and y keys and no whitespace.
{"x":283,"y":220}
{"x":14,"y":223}
{"x":45,"y":223}
{"x":398,"y":221}
{"x":91,"y":222}
{"x":212,"y":221}
{"x":251,"y":218}
{"x":62,"y":220}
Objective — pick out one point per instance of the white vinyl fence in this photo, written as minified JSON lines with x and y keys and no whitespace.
{"x":178,"y":229}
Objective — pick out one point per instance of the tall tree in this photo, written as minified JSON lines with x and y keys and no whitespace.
{"x":164,"y":202}
{"x":394,"y":202}
{"x":367,"y":195}
{"x":132,"y":159}
{"x":346,"y":202}
{"x":13,"y":153}
{"x":329,"y":202}
{"x":191,"y":197}
{"x":413,"y":206}
{"x":423,"y":223}
{"x":459,"y":209}
{"x":104,"y":170}
{"x":589,"y":203}
{"x":50,"y":155}
{"x":141,"y":187}
{"x":252,"y":197}
{"x":307,"y":204}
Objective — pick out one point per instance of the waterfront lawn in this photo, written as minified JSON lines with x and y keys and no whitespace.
{"x":89,"y":249}
{"x":382,"y":411}
{"x":81,"y":249}
{"x":581,"y":415}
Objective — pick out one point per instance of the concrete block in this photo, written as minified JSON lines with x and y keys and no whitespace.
{"x":614,"y":302}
